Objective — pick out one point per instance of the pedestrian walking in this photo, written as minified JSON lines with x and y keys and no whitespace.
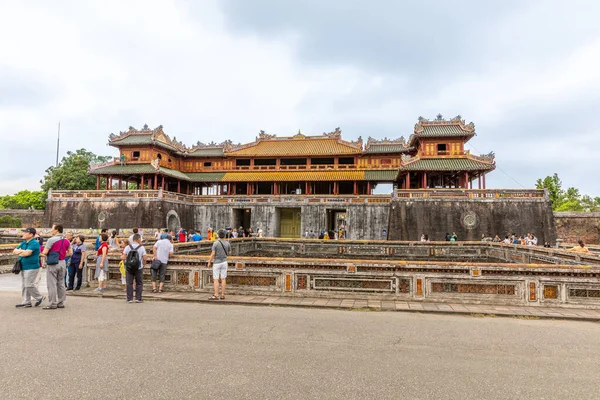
{"x":218,"y":258}
{"x":29,"y":255}
{"x":113,"y":241}
{"x":56,"y":250}
{"x":77,"y":262}
{"x":98,"y":238}
{"x":136,"y":231}
{"x":102,"y":263}
{"x":162,"y":250}
{"x":134,"y":256}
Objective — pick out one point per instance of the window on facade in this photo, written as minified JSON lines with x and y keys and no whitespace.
{"x":321,"y":161}
{"x":346,"y":160}
{"x":169,"y":160}
{"x":242,"y":162}
{"x":265,"y":161}
{"x":385,"y":161}
{"x":208,"y":164}
{"x":293,"y":161}
{"x":135,"y":154}
{"x":442,"y":148}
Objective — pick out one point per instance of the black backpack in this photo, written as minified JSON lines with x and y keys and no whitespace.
{"x":132,"y":262}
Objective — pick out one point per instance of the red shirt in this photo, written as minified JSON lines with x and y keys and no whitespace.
{"x":102,"y":245}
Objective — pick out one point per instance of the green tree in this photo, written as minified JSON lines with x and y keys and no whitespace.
{"x":24,"y":199}
{"x":567,"y":200}
{"x":6,"y":221}
{"x":72,"y":172}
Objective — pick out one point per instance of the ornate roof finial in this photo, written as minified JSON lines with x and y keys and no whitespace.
{"x":439,"y":117}
{"x":145,"y":127}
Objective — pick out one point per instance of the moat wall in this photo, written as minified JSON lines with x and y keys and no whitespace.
{"x":574,"y":226}
{"x":470,"y":218}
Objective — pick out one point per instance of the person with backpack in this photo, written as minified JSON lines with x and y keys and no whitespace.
{"x":57,"y":249}
{"x":220,"y":250}
{"x":134,"y":256}
{"x":163,"y":249}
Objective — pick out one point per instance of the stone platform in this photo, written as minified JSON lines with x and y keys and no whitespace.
{"x":352,"y":304}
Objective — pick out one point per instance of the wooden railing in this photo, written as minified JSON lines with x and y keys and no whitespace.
{"x":470,"y":193}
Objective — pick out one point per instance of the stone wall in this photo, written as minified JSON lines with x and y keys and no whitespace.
{"x":469,"y":218}
{"x":27,"y":217}
{"x":572,"y":226}
{"x":117,"y":213}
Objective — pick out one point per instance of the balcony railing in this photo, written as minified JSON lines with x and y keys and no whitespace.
{"x":471,"y":193}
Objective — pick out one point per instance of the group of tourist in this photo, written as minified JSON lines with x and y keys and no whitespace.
{"x":63,"y":252}
{"x":324,"y":234}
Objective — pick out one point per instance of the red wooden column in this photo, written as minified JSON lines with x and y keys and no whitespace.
{"x":466,"y":180}
{"x":307,"y":187}
{"x":163,"y":183}
{"x":97,"y":182}
{"x":120,"y":182}
{"x":479,"y":182}
{"x":424,"y":180}
{"x":178,"y":186}
{"x":408,"y":180}
{"x":109,"y":184}
{"x":335,"y":188}
{"x":155,"y":181}
{"x":483,"y":180}
{"x":369,"y":188}
{"x":355,"y":188}
{"x":143,"y":183}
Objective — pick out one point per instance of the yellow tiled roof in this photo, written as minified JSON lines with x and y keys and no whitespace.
{"x":296,"y":147}
{"x":287,"y":176}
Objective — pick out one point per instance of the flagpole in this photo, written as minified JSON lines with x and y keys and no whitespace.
{"x":58,"y":143}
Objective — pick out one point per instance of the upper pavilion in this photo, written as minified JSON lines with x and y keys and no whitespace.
{"x":434,"y":156}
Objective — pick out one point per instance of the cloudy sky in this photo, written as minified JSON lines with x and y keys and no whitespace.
{"x":526,"y":72}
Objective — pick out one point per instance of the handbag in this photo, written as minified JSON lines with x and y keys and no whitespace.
{"x":156,"y":264}
{"x":52,"y":258}
{"x":16,"y":269}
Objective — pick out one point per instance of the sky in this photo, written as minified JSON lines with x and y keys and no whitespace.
{"x":526,"y":72}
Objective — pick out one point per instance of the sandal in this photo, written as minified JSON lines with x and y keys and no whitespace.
{"x":222,"y":297}
{"x":213,"y":298}
{"x":160,"y":291}
{"x":153,"y":290}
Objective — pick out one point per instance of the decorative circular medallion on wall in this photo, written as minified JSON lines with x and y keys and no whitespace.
{"x":469,"y":220}
{"x":102,"y":216}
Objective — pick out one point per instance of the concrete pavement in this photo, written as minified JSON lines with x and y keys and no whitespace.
{"x":105,"y":348}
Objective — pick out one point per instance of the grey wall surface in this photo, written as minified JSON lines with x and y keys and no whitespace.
{"x":115,"y":213}
{"x":469,"y":218}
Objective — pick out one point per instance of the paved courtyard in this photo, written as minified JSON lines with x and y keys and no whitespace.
{"x":105,"y":348}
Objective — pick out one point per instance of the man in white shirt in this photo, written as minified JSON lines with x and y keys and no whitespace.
{"x":163,"y":249}
{"x":136,"y":232}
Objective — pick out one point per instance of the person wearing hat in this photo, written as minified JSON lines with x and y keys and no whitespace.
{"x":29,"y":255}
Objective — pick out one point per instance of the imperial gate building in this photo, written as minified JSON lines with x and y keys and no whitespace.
{"x":293,"y":184}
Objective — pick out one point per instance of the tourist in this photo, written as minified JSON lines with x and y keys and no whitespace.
{"x":157,"y":234}
{"x":522,"y":241}
{"x":135,"y":231}
{"x":135,"y":272}
{"x":102,"y":263}
{"x":507,"y":240}
{"x":306,"y":234}
{"x":423,"y":237}
{"x":214,"y":236}
{"x":124,"y":243}
{"x":196,"y":237}
{"x":534,"y":239}
{"x":483,"y":238}
{"x":181,"y":236}
{"x":162,"y":250}
{"x":516,"y":240}
{"x":454,"y":237}
{"x":496,"y":239}
{"x":260,"y":233}
{"x":218,"y":257}
{"x":122,"y":161}
{"x":234,"y":233}
{"x":250,"y":232}
{"x":77,"y":261}
{"x":546,"y":244}
{"x":113,"y":241}
{"x":98,"y":238}
{"x":447,"y":237}
{"x":580,"y":248}
{"x":69,"y":237}
{"x":209,"y":233}
{"x":55,"y":272}
{"x":29,"y":255}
